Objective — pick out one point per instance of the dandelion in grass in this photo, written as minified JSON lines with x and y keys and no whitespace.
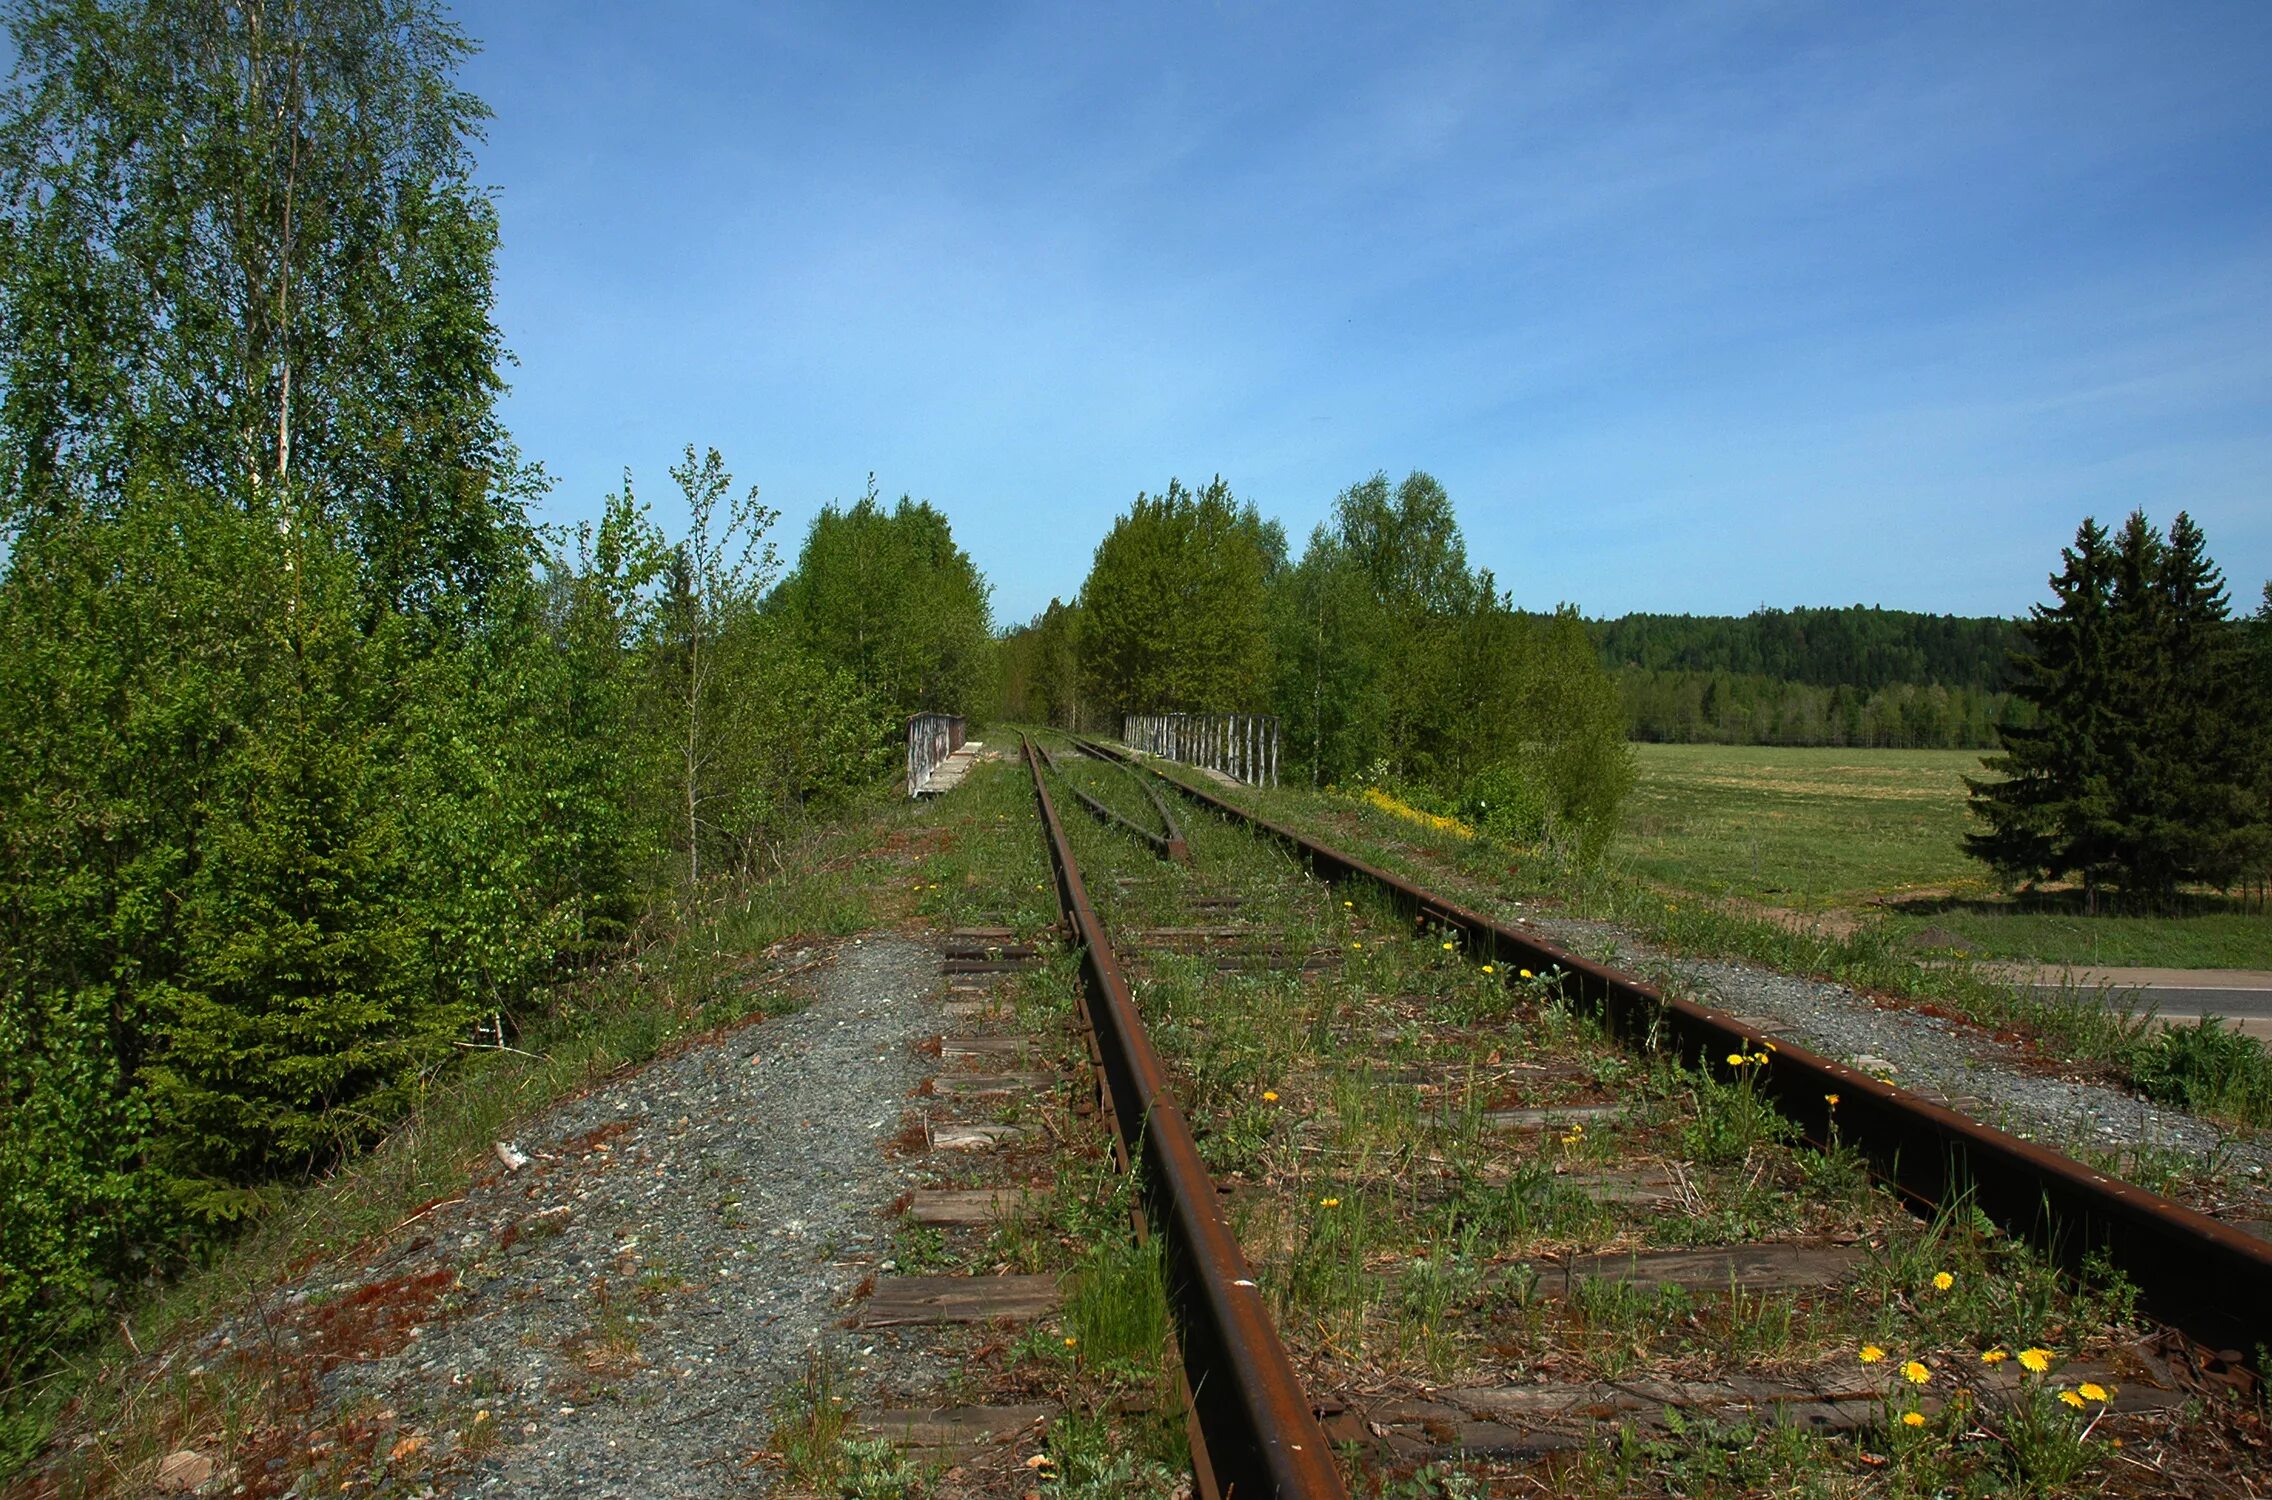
{"x":1942,"y":1281}
{"x":1527,"y":974}
{"x":1270,"y":1096}
{"x":1489,"y":970}
{"x":1871,"y":1354}
{"x":1447,"y":947}
{"x":1329,"y":1203}
{"x":1071,"y":1340}
{"x":1994,"y":1357}
{"x":2035,"y":1361}
{"x":2071,"y":1399}
{"x":1831,"y":1100}
{"x":1759,"y":1058}
{"x":2093,"y":1391}
{"x":1915,"y":1372}
{"x":1912,"y":1419}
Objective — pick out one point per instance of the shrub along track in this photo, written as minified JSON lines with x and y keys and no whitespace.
{"x":1494,"y":1240}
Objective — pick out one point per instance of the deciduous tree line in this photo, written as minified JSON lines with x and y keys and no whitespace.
{"x":1858,"y":676}
{"x":2147,"y":762}
{"x":1385,"y":654}
{"x":318,"y":751}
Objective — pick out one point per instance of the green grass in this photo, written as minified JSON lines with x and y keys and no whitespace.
{"x":1878,"y":834}
{"x":1801,"y":828}
{"x":2003,"y":930}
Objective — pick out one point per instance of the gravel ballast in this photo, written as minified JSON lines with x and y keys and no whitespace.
{"x":1930,"y":1054}
{"x":620,"y":1315}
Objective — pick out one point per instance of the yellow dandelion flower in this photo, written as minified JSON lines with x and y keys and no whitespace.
{"x":2093,"y":1391}
{"x":2072,"y":1399}
{"x":1447,"y":947}
{"x":1329,"y":1203}
{"x":1489,"y":970}
{"x":1356,"y":945}
{"x":1760,"y":1058}
{"x":2036,"y":1361}
{"x":1994,"y":1357}
{"x":1527,"y":974}
{"x":1735,"y":1059}
{"x":1915,"y":1372}
{"x":1912,"y":1419}
{"x":1070,"y":1341}
{"x":1270,"y":1096}
{"x":1871,"y":1354}
{"x":1831,"y":1100}
{"x":1942,"y":1281}
{"x":1350,"y":904}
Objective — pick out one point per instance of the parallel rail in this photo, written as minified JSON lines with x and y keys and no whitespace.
{"x":1253,"y":1432}
{"x":2208,"y":1279}
{"x":1169,"y":845}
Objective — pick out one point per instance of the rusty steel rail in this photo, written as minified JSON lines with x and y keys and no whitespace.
{"x":1168,"y":846}
{"x":2209,"y":1280}
{"x":1253,"y":1432}
{"x":1174,"y":846}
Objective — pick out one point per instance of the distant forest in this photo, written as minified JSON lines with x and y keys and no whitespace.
{"x":1853,"y":676}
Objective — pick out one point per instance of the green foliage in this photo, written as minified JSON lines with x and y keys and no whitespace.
{"x":242,"y":248}
{"x":1721,"y":708}
{"x":2141,"y":768}
{"x":1398,"y":664}
{"x":888,"y":597}
{"x":1857,"y":646}
{"x":317,"y":755}
{"x":1173,"y":611}
{"x":2207,"y":1068}
{"x":1852,"y":676}
{"x":1039,"y":670}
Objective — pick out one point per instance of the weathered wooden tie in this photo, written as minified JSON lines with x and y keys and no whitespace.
{"x":913,"y":1301}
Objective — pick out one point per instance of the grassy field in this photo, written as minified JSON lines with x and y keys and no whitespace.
{"x":1880,"y":832}
{"x":1802,"y":828}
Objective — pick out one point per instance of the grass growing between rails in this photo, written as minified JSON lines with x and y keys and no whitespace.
{"x":1417,"y":1153}
{"x":2071,"y":1025}
{"x":696,"y":969}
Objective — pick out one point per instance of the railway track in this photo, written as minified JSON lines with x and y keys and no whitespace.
{"x":1436,"y":1205}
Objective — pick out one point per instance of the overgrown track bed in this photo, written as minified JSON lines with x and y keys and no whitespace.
{"x":1505,"y":1251}
{"x":1252,"y":1432}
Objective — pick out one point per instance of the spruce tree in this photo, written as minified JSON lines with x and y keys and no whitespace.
{"x":2197,"y":730}
{"x":2138,"y":770}
{"x":2048,"y":810}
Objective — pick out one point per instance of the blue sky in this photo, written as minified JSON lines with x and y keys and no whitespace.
{"x":1689,"y":307}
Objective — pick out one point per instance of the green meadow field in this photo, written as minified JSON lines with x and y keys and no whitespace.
{"x":1879,"y":833}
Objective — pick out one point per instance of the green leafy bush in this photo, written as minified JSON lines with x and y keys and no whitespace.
{"x":2207,"y":1068}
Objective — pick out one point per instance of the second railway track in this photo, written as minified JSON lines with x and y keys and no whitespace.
{"x":1423,"y":1220}
{"x":1504,"y":1252}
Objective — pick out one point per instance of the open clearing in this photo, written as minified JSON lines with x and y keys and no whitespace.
{"x":1809,"y":829}
{"x":1839,"y":831}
